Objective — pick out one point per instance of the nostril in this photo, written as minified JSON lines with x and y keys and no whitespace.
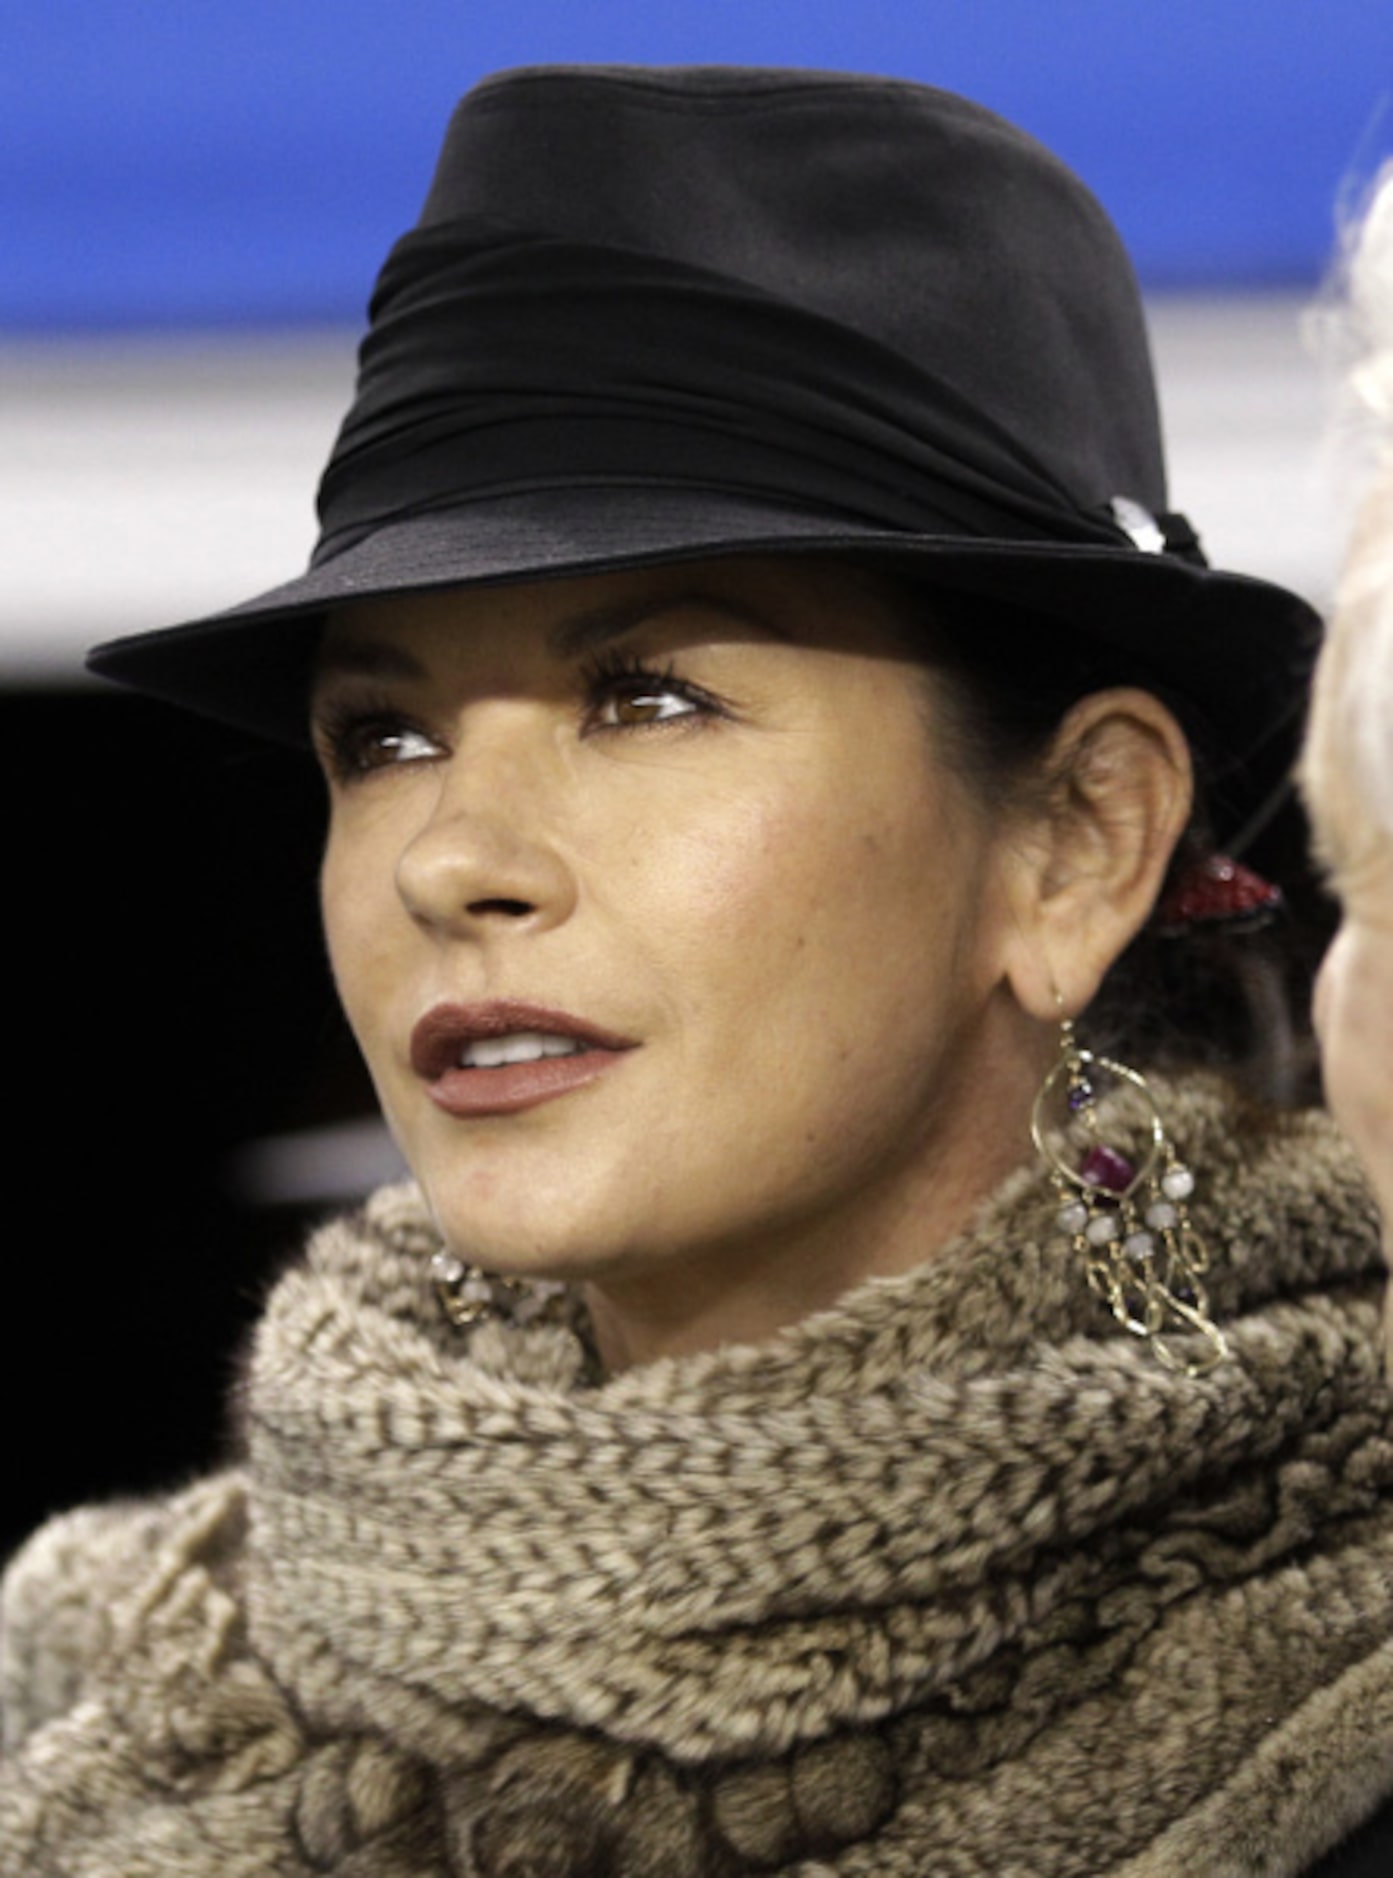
{"x":510,"y":909}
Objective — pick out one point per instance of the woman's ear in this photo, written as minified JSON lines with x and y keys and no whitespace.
{"x":1087,"y":876}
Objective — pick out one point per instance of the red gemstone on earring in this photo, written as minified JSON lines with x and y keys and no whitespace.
{"x":1105,"y":1167}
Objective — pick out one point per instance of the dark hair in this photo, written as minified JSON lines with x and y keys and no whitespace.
{"x":1211,"y":997}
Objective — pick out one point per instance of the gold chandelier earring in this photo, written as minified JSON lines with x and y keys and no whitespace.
{"x":1128,"y":1218}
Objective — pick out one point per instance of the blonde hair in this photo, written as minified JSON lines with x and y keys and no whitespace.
{"x":1347,"y":768}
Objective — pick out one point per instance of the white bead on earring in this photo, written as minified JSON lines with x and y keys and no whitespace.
{"x":468,"y":1295}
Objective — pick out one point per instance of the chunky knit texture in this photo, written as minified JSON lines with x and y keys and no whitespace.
{"x":953,"y":1578}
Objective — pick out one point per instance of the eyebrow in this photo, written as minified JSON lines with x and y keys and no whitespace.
{"x":366,"y":658}
{"x":597,"y":626}
{"x":582,"y":633}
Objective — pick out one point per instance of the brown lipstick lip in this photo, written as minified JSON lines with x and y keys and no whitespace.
{"x":440,"y":1036}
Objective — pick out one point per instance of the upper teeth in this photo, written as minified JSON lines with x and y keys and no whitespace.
{"x":520,"y":1046}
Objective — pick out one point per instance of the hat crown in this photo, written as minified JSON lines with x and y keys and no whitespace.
{"x":908,"y":215}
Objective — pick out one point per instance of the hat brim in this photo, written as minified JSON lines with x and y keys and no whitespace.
{"x":1238,"y":648}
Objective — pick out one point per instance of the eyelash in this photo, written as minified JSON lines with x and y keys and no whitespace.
{"x":350,"y":730}
{"x":344,"y":731}
{"x":615,"y":673}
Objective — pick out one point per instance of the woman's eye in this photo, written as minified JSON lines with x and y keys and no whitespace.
{"x":630,"y":699}
{"x":644,"y":704}
{"x":360,"y":745}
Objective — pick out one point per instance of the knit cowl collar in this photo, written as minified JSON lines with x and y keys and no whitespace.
{"x":955,"y":1557}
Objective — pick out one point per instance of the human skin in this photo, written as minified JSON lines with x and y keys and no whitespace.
{"x":706,"y":809}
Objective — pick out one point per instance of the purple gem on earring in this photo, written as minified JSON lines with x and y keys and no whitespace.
{"x":1080,"y":1096}
{"x":1105,"y":1167}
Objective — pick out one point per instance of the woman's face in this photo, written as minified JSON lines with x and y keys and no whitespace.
{"x":680,"y":848}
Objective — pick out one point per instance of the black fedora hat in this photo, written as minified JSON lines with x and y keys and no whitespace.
{"x":652,"y":315}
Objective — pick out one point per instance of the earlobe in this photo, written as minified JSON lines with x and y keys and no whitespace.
{"x":1088,"y":874}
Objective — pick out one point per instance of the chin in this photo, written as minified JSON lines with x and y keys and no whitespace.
{"x":526,"y":1227}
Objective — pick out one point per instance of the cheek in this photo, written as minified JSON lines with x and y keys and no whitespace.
{"x":812,"y":912}
{"x":336,"y":916}
{"x":352,"y":899}
{"x":726,"y":905}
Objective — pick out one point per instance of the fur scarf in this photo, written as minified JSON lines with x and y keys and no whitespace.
{"x":952,"y":1578}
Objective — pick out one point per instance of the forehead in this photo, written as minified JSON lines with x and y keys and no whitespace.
{"x":798,"y":600}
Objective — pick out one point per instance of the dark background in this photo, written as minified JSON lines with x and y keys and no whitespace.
{"x":169,"y":1002}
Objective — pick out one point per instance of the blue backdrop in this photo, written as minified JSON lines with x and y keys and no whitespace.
{"x":184,"y":162}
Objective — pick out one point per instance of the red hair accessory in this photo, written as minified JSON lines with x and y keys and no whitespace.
{"x":1218,"y":891}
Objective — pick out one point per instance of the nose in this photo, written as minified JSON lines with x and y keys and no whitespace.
{"x":488,"y":854}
